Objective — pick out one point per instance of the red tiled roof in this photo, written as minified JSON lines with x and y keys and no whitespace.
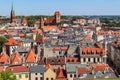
{"x":94,"y":51}
{"x":3,"y":32}
{"x":21,"y":35}
{"x":50,"y":21}
{"x":47,"y":66}
{"x":4,"y":58}
{"x":72,"y":60}
{"x":31,"y":57}
{"x":37,"y":31}
{"x":60,"y":73}
{"x":60,"y":48}
{"x":49,"y":28}
{"x":18,"y":69}
{"x":60,"y":31}
{"x":100,"y":67}
{"x":11,"y":41}
{"x":82,"y":71}
{"x":16,"y":59}
{"x":87,"y":38}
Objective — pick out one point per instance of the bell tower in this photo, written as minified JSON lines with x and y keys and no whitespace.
{"x":57,"y":17}
{"x":41,"y":23}
{"x":12,"y":15}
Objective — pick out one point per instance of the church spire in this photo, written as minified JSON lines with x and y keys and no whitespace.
{"x":12,"y":9}
{"x":12,"y":15}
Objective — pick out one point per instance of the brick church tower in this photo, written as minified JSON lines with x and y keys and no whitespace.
{"x":41,"y":22}
{"x":57,"y":17}
{"x":12,"y":15}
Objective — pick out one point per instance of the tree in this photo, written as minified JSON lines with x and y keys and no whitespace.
{"x":7,"y":76}
{"x":31,"y":22}
{"x":2,"y":42}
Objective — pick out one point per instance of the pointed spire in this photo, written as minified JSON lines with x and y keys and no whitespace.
{"x":12,"y":6}
{"x":12,"y":9}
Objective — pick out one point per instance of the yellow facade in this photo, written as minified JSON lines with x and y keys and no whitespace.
{"x":49,"y":75}
{"x":34,"y":36}
{"x":86,"y":60}
{"x":22,"y":76}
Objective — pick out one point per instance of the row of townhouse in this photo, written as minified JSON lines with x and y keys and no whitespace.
{"x":71,"y":71}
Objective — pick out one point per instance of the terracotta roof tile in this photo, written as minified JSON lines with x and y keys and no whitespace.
{"x":87,"y":38}
{"x":18,"y":69}
{"x":11,"y":41}
{"x":47,"y":66}
{"x":16,"y":59}
{"x":100,"y":67}
{"x":95,"y":51}
{"x":50,"y":21}
{"x":31,"y":57}
{"x":82,"y":71}
{"x":60,"y":73}
{"x":49,"y":28}
{"x":4,"y":58}
{"x":37,"y":31}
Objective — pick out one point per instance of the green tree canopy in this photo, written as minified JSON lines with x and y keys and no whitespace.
{"x":2,"y":41}
{"x":7,"y":76}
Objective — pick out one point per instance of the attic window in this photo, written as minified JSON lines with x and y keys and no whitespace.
{"x":59,"y":61}
{"x":73,"y":60}
{"x":97,"y":52}
{"x":68,"y":61}
{"x":83,"y":53}
{"x":52,"y":61}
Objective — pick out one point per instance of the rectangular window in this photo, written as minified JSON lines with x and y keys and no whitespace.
{"x":41,"y":78}
{"x":26,"y":75}
{"x":84,"y":59}
{"x":71,"y":75}
{"x":94,"y":60}
{"x":19,"y":75}
{"x":47,"y":79}
{"x":88,"y":59}
{"x":51,"y":78}
{"x":36,"y":78}
{"x":35,"y":73}
{"x":74,"y":75}
{"x":98,"y":59}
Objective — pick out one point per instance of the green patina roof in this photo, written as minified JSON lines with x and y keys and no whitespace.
{"x":12,"y":9}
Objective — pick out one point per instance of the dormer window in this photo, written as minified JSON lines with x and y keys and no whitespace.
{"x":58,"y":61}
{"x":83,"y":53}
{"x":52,"y":61}
{"x":73,"y":60}
{"x":97,"y":52}
{"x":68,"y":60}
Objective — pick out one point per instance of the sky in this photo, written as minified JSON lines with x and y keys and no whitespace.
{"x":66,"y":7}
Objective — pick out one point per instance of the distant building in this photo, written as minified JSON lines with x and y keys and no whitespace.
{"x":53,"y":20}
{"x":57,"y":17}
{"x":11,"y":46}
{"x":41,"y":22}
{"x":21,"y":72}
{"x":24,"y":21}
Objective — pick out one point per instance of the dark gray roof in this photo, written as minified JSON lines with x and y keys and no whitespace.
{"x":71,"y":68}
{"x":28,"y":41}
{"x":37,"y":69}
